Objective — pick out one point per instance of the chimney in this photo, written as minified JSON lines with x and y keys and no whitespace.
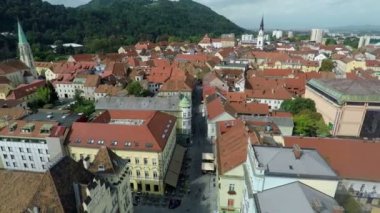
{"x":338,"y":209}
{"x":272,"y":91}
{"x":297,"y":151}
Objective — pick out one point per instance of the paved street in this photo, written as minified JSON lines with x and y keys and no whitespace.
{"x":203,"y":195}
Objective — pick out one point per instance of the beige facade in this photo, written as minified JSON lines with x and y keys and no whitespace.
{"x":231,"y":190}
{"x":147,"y":169}
{"x":345,"y":119}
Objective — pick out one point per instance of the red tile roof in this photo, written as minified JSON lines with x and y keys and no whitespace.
{"x":24,"y":90}
{"x":200,"y":57}
{"x":150,"y":135}
{"x":232,"y":147}
{"x":214,"y":108}
{"x":350,"y":158}
{"x":250,"y":108}
{"x":11,"y":66}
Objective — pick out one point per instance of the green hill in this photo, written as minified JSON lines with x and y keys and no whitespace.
{"x":106,"y":24}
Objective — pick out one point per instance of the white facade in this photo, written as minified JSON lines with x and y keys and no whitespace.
{"x":67,"y":89}
{"x":30,"y":154}
{"x":316,"y":35}
{"x":101,"y":198}
{"x":274,"y":104}
{"x":277,"y":34}
{"x":260,"y":40}
{"x":211,"y":124}
{"x":290,"y":34}
{"x":260,"y":181}
{"x":367,"y":189}
{"x":217,"y":44}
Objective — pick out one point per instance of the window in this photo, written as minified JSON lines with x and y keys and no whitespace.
{"x":46,"y":151}
{"x":15,"y":164}
{"x":12,"y":157}
{"x":156,"y":189}
{"x":30,"y":158}
{"x":145,"y":161}
{"x":39,"y":151}
{"x":28,"y":150}
{"x":43,"y":166}
{"x":42,"y":159}
{"x":155,"y":175}
{"x":23,"y":157}
{"x":21,"y":149}
{"x":10,"y":149}
{"x":154,"y":161}
{"x":2,"y":148}
{"x":138,"y":173}
{"x":137,"y":161}
{"x":25,"y":165}
{"x":231,"y":189}
{"x":7,"y":163}
{"x":5,"y":156}
{"x":128,"y":160}
{"x":230,"y":203}
{"x":32,"y":165}
{"x":146,"y":174}
{"x":147,"y":187}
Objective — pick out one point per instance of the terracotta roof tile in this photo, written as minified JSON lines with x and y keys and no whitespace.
{"x":232,"y":147}
{"x":146,"y":131}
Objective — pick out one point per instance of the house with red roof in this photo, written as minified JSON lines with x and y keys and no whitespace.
{"x":356,"y":161}
{"x":215,"y":111}
{"x":146,"y":139}
{"x":25,"y":91}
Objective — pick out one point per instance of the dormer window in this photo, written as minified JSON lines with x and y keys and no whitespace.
{"x":13,"y":127}
{"x":46,"y":129}
{"x":101,"y":168}
{"x":28,"y":128}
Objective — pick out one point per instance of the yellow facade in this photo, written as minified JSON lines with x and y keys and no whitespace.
{"x":147,"y":168}
{"x":352,"y":65}
{"x":235,"y":180}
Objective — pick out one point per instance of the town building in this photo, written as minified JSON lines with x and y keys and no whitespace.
{"x":316,"y":35}
{"x":146,"y":139}
{"x":13,"y":71}
{"x":295,"y":197}
{"x":65,"y":187}
{"x":31,"y":146}
{"x":271,"y":167}
{"x":114,"y":170}
{"x":349,"y":107}
{"x":173,"y":105}
{"x":231,"y":149}
{"x":215,"y":112}
{"x":356,"y":164}
{"x":228,"y":40}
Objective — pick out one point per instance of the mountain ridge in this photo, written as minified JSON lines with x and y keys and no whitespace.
{"x":103,"y":26}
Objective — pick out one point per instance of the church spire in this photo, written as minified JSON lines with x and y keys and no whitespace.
{"x":25,"y":51}
{"x":262,"y":23}
{"x":21,"y":34}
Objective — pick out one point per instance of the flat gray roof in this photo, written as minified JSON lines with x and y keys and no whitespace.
{"x":294,"y":197}
{"x":63,"y":117}
{"x":346,"y":90}
{"x":279,"y":161}
{"x":139,"y":103}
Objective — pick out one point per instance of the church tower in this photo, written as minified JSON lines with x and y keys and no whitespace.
{"x":25,"y":52}
{"x":260,"y":36}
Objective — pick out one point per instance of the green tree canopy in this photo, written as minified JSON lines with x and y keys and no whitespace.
{"x":331,"y":41}
{"x":82,"y":105}
{"x":43,"y":96}
{"x":135,"y":88}
{"x":297,"y":105}
{"x":327,"y":65}
{"x":309,"y":123}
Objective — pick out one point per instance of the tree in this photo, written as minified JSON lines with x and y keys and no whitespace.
{"x":135,"y":88}
{"x":82,"y":105}
{"x":309,"y":123}
{"x":327,"y":65}
{"x":43,"y":96}
{"x":298,"y":104}
{"x":331,"y":41}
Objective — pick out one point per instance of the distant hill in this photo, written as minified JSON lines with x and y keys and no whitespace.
{"x":118,"y":21}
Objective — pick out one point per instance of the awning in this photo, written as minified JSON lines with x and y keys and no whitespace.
{"x":175,"y":165}
{"x":208,"y":156}
{"x":208,"y":167}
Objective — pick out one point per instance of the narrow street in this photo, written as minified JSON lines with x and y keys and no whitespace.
{"x":203,"y":187}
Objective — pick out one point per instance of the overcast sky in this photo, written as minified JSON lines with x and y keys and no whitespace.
{"x":289,"y":14}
